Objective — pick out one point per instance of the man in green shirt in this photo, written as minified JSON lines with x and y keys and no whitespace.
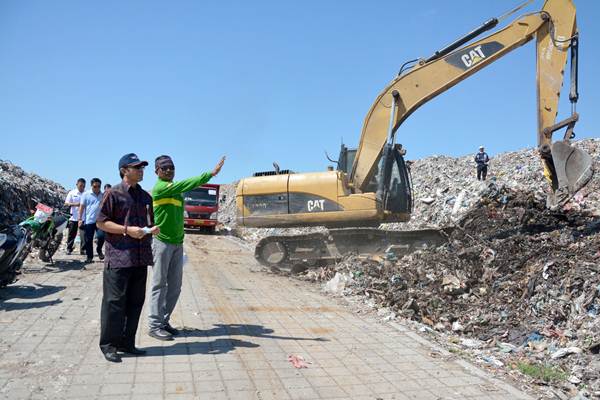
{"x":167,"y":246}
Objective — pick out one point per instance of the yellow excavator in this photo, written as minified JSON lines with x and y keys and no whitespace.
{"x":372,"y":184}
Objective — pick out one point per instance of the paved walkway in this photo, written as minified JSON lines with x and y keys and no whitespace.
{"x":240,"y":327}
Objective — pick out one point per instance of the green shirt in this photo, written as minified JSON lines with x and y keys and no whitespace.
{"x":168,"y":206}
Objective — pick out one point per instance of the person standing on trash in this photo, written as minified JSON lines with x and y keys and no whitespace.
{"x":72,"y":200}
{"x":167,"y":246}
{"x":88,"y":212}
{"x":127,"y":218}
{"x":482,"y":160}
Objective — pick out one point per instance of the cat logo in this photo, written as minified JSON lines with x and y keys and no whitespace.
{"x":315,"y":205}
{"x":473,"y":56}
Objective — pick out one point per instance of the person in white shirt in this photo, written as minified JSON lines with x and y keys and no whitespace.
{"x":72,"y":200}
{"x":88,"y":212}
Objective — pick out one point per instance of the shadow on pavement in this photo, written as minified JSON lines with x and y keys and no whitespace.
{"x":217,"y":346}
{"x":58,"y":266}
{"x":28,"y":292}
{"x":242,"y":330}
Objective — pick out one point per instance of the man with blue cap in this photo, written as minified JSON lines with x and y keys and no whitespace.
{"x":127,"y":218}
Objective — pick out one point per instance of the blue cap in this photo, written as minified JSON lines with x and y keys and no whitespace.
{"x":130,"y":160}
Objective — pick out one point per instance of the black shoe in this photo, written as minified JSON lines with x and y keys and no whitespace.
{"x":134,"y":351}
{"x":101,"y":255}
{"x":171,"y":330}
{"x":112,"y":356}
{"x":89,"y":260}
{"x":160,"y":334}
{"x":69,"y":252}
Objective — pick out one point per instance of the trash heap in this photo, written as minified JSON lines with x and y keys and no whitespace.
{"x":445,"y":188}
{"x":517,"y":282}
{"x":20,"y":191}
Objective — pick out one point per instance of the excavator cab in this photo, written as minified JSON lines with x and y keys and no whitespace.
{"x":395,"y":191}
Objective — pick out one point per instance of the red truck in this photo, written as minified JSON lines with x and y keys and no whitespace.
{"x":201,"y":207}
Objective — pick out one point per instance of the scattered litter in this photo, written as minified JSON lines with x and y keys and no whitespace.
{"x":298,"y":361}
{"x":565,"y":352}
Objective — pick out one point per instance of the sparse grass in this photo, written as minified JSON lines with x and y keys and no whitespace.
{"x":544,"y":372}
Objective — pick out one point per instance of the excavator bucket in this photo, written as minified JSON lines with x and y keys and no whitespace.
{"x":573,"y":169}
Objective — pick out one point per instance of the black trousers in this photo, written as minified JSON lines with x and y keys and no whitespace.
{"x":89,"y":230}
{"x":481,"y":172}
{"x":72,"y":234}
{"x":123,"y":294}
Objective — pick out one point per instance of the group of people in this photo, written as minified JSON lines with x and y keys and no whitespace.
{"x":84,"y":208}
{"x":138,"y":229}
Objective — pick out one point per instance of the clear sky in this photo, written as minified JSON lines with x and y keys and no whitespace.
{"x":82,"y":83}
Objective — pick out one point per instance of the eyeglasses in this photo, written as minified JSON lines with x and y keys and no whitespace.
{"x":138,"y":166}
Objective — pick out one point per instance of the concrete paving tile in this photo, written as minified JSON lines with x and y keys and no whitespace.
{"x":277,"y":394}
{"x":209,"y":386}
{"x":234,"y":374}
{"x":344,"y":380}
{"x":148,"y":388}
{"x":112,"y":389}
{"x":338,"y":371}
{"x":236,"y":385}
{"x":206,"y":375}
{"x":179,"y":388}
{"x":177,"y":367}
{"x":295,"y":383}
{"x":420,"y":395}
{"x":303,"y":394}
{"x":112,"y":377}
{"x":331,"y":392}
{"x":371,"y":378}
{"x":147,"y":396}
{"x":178,"y":377}
{"x":357,"y":390}
{"x":149,"y":377}
{"x":86,"y":379}
{"x":179,"y":396}
{"x":79,"y":391}
{"x":382,"y":387}
{"x":317,"y":381}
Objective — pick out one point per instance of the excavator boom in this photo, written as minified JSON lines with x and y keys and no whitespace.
{"x":555,"y":31}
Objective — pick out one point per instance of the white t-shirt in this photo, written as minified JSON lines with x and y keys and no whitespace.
{"x":74,"y":196}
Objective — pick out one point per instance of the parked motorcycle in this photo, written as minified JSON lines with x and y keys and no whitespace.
{"x":13,"y":240}
{"x":45,"y":231}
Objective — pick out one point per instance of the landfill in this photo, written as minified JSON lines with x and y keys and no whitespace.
{"x":517,"y":286}
{"x":20,"y":191}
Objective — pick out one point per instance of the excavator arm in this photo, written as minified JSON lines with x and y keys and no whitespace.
{"x":554,"y":28}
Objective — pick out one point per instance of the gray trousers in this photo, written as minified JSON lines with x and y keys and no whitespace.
{"x":167,"y":274}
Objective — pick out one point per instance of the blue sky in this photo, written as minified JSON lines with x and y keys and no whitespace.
{"x":82,"y":83}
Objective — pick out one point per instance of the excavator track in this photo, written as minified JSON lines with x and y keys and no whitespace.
{"x":299,"y":252}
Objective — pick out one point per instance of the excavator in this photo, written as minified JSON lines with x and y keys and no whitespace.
{"x":372,"y":184}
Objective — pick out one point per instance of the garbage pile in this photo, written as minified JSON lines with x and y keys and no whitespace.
{"x":20,"y":191}
{"x":445,"y":188}
{"x":517,"y":282}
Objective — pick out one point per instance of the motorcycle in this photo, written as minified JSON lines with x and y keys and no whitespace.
{"x":13,"y":240}
{"x":44,"y":231}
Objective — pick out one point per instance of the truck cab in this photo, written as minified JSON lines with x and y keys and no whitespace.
{"x":201,"y":207}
